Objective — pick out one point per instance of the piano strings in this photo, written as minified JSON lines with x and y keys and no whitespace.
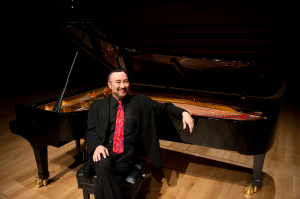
{"x":194,"y":108}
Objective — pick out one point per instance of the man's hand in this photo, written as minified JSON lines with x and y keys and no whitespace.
{"x":187,"y":120}
{"x":98,"y":151}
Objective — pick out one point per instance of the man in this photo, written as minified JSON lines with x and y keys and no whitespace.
{"x":115,"y":125}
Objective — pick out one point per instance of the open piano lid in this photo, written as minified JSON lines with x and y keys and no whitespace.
{"x":175,"y":72}
{"x":221,"y":47}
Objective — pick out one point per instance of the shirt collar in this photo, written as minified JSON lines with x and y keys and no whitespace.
{"x":114,"y":101}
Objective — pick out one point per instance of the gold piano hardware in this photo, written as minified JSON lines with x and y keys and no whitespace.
{"x":49,"y":108}
{"x":255,"y":189}
{"x":62,"y":110}
{"x":66,"y":110}
{"x":79,"y":102}
{"x":38,"y":182}
{"x":64,"y":103}
{"x":250,"y":189}
{"x":85,"y":104}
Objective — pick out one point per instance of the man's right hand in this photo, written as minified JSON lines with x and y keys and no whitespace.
{"x":98,"y":151}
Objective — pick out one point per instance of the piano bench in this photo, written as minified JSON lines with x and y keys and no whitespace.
{"x":131,"y":185}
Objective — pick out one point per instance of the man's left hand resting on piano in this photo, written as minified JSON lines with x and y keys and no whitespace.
{"x":187,"y":120}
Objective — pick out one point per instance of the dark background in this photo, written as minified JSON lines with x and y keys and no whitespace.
{"x":36,"y":57}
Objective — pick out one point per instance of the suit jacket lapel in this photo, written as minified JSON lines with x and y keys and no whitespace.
{"x":105,"y":113}
{"x":135,"y":107}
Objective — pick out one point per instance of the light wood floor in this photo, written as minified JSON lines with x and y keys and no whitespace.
{"x":188,"y":171}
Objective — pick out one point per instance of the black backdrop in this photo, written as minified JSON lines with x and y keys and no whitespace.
{"x":36,"y":57}
{"x":39,"y":58}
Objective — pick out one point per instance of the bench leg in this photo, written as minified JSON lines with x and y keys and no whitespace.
{"x":86,"y":195}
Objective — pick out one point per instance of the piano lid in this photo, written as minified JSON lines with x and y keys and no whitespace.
{"x":213,"y":46}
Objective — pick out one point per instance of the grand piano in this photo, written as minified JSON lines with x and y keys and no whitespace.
{"x":221,"y":81}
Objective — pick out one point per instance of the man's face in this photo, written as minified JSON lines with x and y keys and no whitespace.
{"x":119,"y":85}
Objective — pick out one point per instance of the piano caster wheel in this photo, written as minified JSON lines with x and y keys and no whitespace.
{"x":38,"y":182}
{"x":249,"y":189}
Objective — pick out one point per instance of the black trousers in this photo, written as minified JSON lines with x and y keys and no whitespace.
{"x":110,"y":171}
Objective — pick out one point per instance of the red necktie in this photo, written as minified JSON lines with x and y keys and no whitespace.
{"x":118,"y":145}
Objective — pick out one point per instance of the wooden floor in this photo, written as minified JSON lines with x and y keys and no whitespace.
{"x":188,"y":171}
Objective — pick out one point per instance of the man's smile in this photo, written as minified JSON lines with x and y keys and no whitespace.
{"x":123,"y":91}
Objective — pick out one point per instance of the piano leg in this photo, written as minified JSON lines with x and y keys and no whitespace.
{"x":258,"y":163}
{"x":79,"y":157}
{"x":41,"y":157}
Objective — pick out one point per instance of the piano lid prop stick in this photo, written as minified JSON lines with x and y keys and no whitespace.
{"x":62,"y":92}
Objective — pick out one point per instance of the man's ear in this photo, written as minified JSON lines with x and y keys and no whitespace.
{"x":109,"y":85}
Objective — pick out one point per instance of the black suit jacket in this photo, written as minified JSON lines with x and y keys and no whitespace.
{"x":144,"y":109}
